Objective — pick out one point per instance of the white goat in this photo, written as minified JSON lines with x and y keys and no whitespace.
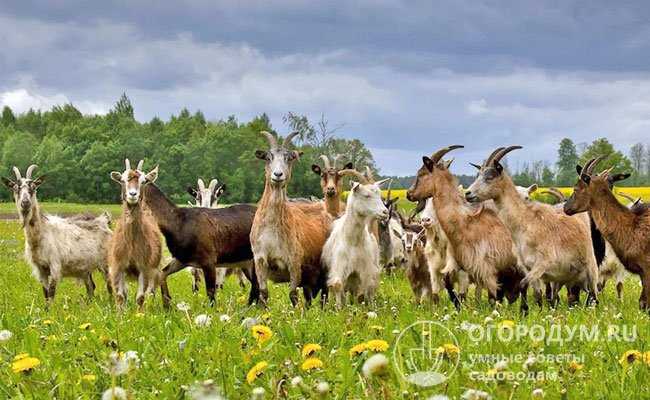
{"x":351,"y":253}
{"x":58,"y":247}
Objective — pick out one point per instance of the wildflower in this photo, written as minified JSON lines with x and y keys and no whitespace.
{"x":182,"y":344}
{"x":132,"y":358}
{"x":5,"y":335}
{"x":530,"y":362}
{"x":206,"y":390}
{"x":496,"y":314}
{"x":249,"y":322}
{"x":296,"y":381}
{"x":114,"y":393}
{"x":322,"y":388}
{"x":630,"y":357}
{"x":85,"y":326}
{"x":262,"y":333}
{"x":309,"y":349}
{"x":358,"y":349}
{"x":377,"y":345}
{"x":48,"y":322}
{"x":377,"y":328}
{"x":311,"y":363}
{"x":202,"y":320}
{"x":446,"y":317}
{"x":24,"y":363}
{"x":89,"y":378}
{"x":183,"y":306}
{"x":537,"y":394}
{"x":224,"y":318}
{"x":256,"y":371}
{"x":257,"y":393}
{"x":506,"y":323}
{"x":646,"y":358}
{"x":375,"y":366}
{"x":448,"y":349}
{"x":118,"y":364}
{"x":501,"y":365}
{"x":488,"y":320}
{"x":574,"y":366}
{"x":473,"y":394}
{"x":371,"y":315}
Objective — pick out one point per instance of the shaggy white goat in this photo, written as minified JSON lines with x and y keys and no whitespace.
{"x":58,"y":247}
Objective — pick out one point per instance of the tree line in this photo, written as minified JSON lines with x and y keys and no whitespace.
{"x":77,"y":152}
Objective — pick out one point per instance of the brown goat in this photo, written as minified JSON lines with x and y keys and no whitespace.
{"x":330,"y":181}
{"x":287,"y":238}
{"x":628,"y":231}
{"x":551,"y":246}
{"x":135,"y":248}
{"x":481,"y":244}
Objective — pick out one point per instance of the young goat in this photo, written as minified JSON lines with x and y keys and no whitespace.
{"x":351,"y":253}
{"x":135,"y":248}
{"x":564,"y":256}
{"x":417,"y":268}
{"x":58,"y":247}
{"x":330,"y":181}
{"x":480,"y":243}
{"x":287,"y":238}
{"x":628,"y":231}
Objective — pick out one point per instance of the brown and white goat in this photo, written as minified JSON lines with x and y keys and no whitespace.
{"x":287,"y":238}
{"x":330,"y":181}
{"x":552,"y":247}
{"x":58,"y":247}
{"x":628,"y":231}
{"x":417,"y":266}
{"x":135,"y":248}
{"x":481,"y":244}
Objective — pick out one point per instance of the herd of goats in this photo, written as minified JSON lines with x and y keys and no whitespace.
{"x":491,"y":235}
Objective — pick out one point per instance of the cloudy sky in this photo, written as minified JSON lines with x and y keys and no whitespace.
{"x":405,"y":77}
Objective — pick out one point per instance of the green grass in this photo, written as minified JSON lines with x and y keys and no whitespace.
{"x":9,"y":208}
{"x":225,"y":351}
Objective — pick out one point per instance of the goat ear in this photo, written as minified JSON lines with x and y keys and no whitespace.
{"x":428,"y":163}
{"x":532,"y":188}
{"x":475,"y":166}
{"x":116,"y":176}
{"x":221,"y":190}
{"x":9,"y":183}
{"x":349,"y":166}
{"x":396,"y":233}
{"x":354,"y":186}
{"x":618,"y":177}
{"x":316,"y":169}
{"x":498,"y":167}
{"x":261,"y":154}
{"x":152,"y":175}
{"x":579,"y":169}
{"x":585,"y":178}
{"x":191,"y":191}
{"x":39,"y":181}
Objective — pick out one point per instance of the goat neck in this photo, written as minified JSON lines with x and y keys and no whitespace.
{"x":273,"y":204}
{"x":446,"y":198}
{"x":511,"y":207}
{"x":333,"y":205}
{"x":34,"y":225}
{"x":163,"y":209}
{"x":614,"y":220}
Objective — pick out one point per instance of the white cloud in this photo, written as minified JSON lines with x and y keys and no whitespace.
{"x":21,"y":100}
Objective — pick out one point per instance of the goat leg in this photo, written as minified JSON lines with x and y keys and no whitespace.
{"x":261,"y":270}
{"x":249,"y":273}
{"x":90,"y":285}
{"x":449,"y":286}
{"x":196,"y":279}
{"x":210,"y":275}
{"x":619,"y":290}
{"x":171,"y":268}
{"x":295,"y":274}
{"x":645,"y":291}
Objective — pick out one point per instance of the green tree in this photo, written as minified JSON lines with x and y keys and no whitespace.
{"x":566,"y":163}
{"x":614,"y":158}
{"x":8,"y":118}
{"x":18,"y":150}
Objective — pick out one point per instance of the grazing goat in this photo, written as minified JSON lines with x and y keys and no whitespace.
{"x":135,"y":248}
{"x":208,"y":197}
{"x":204,"y":238}
{"x":626,"y":230}
{"x":351,"y":253}
{"x":330,"y":181}
{"x":58,"y":247}
{"x":480,"y":243}
{"x":551,"y":246}
{"x":287,"y":238}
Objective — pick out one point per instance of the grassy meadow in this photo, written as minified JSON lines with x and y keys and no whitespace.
{"x":72,"y":342}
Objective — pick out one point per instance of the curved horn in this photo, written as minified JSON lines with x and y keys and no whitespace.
{"x":127,"y":164}
{"x":335,"y":159}
{"x":592,"y":165}
{"x":435,"y":157}
{"x":201,"y":184}
{"x":627,"y":196}
{"x":30,"y":170}
{"x":326,"y":161}
{"x":17,"y":173}
{"x":356,"y":174}
{"x":140,"y":165}
{"x":390,"y":183}
{"x":273,"y":141}
{"x":491,"y":156}
{"x":213,"y":184}
{"x":558,"y":196}
{"x":497,"y":157}
{"x":370,"y":177}
{"x":289,"y":138}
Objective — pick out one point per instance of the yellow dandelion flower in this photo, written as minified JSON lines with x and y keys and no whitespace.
{"x":349,"y":333}
{"x":48,"y":322}
{"x":358,"y":349}
{"x":25,"y":364}
{"x":377,"y":345}
{"x":139,"y":315}
{"x":262,"y":333}
{"x":507,"y":323}
{"x":309,"y":349}
{"x":575,"y":366}
{"x":89,"y":378}
{"x":256,"y":371}
{"x":311,"y":363}
{"x":85,"y":327}
{"x":492,"y":372}
{"x":630,"y":357}
{"x":448,"y":349}
{"x":646,"y":358}
{"x":376,"y":328}
{"x":20,"y":356}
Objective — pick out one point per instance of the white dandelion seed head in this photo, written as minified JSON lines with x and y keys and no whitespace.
{"x":322,"y":387}
{"x":224,"y":318}
{"x":496,"y":314}
{"x":501,"y":365}
{"x":438,"y":397}
{"x":296,"y":381}
{"x":5,"y":335}
{"x":183,"y":306}
{"x":249,"y":322}
{"x":375,"y":365}
{"x":132,"y":358}
{"x":371,"y":314}
{"x":202,"y":320}
{"x":446,"y":317}
{"x":115,"y":393}
{"x":182,"y":344}
{"x":473,"y":394}
{"x":538,"y":394}
{"x":488,"y":320}
{"x":117,"y":364}
{"x":205,"y":390}
{"x":258,"y":393}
